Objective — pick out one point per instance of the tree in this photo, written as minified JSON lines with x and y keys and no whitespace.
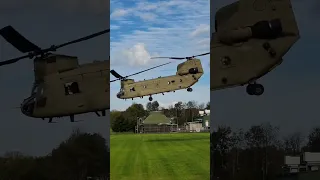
{"x":127,"y":120}
{"x":149,"y":106}
{"x":208,"y":105}
{"x":119,"y":124}
{"x":76,"y":158}
{"x":171,"y":112}
{"x":114,"y":115}
{"x":221,"y":143}
{"x":80,"y":156}
{"x":314,"y":140}
{"x":191,"y":104}
{"x":178,"y":111}
{"x":155,"y":106}
{"x":261,"y":139}
{"x":201,"y":106}
{"x":292,"y":143}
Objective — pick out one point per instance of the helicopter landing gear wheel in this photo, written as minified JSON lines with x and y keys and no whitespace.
{"x":189,"y":89}
{"x":150,"y":98}
{"x":255,"y":89}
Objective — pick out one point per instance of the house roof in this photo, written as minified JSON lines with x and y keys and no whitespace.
{"x":156,"y":117}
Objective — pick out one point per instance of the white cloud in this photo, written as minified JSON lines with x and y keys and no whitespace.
{"x":146,"y":16}
{"x":119,"y":13}
{"x":137,"y":55}
{"x":201,"y":29}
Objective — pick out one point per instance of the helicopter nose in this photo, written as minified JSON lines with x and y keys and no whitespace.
{"x":27,"y":108}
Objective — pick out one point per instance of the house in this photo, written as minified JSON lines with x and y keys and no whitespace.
{"x":156,"y":122}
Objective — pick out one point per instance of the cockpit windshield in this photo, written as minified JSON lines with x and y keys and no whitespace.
{"x":120,"y":93}
{"x":34,"y":89}
{"x":37,"y":89}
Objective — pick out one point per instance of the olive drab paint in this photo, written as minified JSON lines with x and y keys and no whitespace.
{"x":188,"y":73}
{"x":61,"y":87}
{"x":251,"y":37}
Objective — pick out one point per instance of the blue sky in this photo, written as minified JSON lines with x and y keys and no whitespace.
{"x":144,"y":29}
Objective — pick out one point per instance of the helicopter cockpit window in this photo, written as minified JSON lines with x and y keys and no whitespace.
{"x":35,"y":89}
{"x":71,"y":88}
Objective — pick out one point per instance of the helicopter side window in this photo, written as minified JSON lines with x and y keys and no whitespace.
{"x":71,"y":88}
{"x":132,"y":89}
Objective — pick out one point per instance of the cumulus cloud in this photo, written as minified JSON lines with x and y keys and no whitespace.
{"x":200,"y":30}
{"x":137,"y":55}
{"x":118,"y":13}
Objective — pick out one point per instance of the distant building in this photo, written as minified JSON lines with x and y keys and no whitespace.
{"x":201,"y":123}
{"x":156,"y":122}
{"x":305,"y":166}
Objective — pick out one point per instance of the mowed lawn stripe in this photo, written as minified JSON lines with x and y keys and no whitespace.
{"x":160,"y":156}
{"x":194,"y":162}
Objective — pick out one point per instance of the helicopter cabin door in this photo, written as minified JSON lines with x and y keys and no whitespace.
{"x":73,"y":94}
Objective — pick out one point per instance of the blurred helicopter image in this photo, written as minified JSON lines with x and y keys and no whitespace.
{"x":251,"y":37}
{"x":61,"y":87}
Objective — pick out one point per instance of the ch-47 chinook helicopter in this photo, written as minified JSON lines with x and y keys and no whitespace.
{"x":251,"y":37}
{"x":188,"y":73}
{"x":62,"y":87}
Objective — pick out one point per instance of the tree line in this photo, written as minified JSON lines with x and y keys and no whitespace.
{"x":125,"y":121}
{"x":82,"y":156}
{"x":257,"y":153}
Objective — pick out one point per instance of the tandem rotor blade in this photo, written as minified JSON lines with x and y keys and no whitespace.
{"x":10,"y":61}
{"x":147,"y":69}
{"x":114,"y":80}
{"x":181,"y":58}
{"x":17,"y":40}
{"x":115,"y":74}
{"x":55,"y":47}
{"x":24,"y":45}
{"x":136,"y":72}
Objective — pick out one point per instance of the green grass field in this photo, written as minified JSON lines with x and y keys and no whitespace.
{"x":180,"y":156}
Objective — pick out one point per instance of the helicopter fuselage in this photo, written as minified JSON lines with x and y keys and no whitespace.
{"x":188,"y":73}
{"x":80,"y":90}
{"x":249,"y":43}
